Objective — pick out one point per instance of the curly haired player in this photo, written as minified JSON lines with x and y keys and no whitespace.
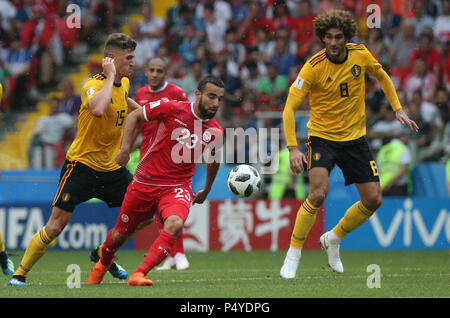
{"x":334,"y":80}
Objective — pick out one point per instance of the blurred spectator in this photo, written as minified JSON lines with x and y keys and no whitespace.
{"x":173,"y":14}
{"x":23,"y":14}
{"x":428,"y":111}
{"x":377,"y":43}
{"x":439,"y":146}
{"x":188,"y":45}
{"x":38,"y":35}
{"x":442,"y":24}
{"x":247,"y":30}
{"x":421,"y":18}
{"x":375,"y":98}
{"x":7,"y":15}
{"x":236,"y":50}
{"x":327,"y":5}
{"x":215,"y":28}
{"x":251,"y":78}
{"x":149,"y":31}
{"x":17,"y":63}
{"x":192,"y":78}
{"x":390,"y":21}
{"x":220,"y":9}
{"x":262,"y":41}
{"x":68,"y":35}
{"x":383,"y":128}
{"x":430,"y":55}
{"x":399,"y":52}
{"x":395,"y":164}
{"x":281,"y":33}
{"x":278,"y":15}
{"x":281,"y":57}
{"x":303,"y":30}
{"x":420,"y":79}
{"x":233,"y":92}
{"x":70,"y":102}
{"x":253,"y":55}
{"x":246,"y":116}
{"x":46,"y":149}
{"x":423,"y":138}
{"x":446,"y":67}
{"x":175,"y":34}
{"x":90,"y":18}
{"x":274,"y":86}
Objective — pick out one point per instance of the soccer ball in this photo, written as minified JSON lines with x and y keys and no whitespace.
{"x":244,"y":181}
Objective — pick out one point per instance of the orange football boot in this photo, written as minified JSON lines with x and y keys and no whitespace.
{"x":97,"y":273}
{"x":139,"y":279}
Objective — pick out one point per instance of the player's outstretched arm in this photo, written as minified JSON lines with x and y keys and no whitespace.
{"x":130,"y":133}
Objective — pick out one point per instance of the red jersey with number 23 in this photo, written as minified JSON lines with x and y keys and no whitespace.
{"x":178,"y":144}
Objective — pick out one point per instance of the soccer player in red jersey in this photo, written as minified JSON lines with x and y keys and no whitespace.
{"x":186,"y":133}
{"x":156,"y":89}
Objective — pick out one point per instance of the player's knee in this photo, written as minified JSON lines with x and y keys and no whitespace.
{"x":173,"y":225}
{"x":317,"y":196}
{"x":373,"y":201}
{"x":53,"y":229}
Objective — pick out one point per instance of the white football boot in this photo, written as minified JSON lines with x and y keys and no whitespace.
{"x":331,"y":246}
{"x":168,"y":264}
{"x":290,"y":265}
{"x":181,"y":261}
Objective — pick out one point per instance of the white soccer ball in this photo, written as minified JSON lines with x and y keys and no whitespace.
{"x":244,"y":181}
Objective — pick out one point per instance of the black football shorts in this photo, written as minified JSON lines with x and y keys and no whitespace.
{"x":79,"y":183}
{"x":352,"y":157}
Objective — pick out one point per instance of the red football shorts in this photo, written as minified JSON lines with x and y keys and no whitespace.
{"x":142,"y":201}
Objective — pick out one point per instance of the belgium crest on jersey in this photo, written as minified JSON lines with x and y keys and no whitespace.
{"x":356,"y":70}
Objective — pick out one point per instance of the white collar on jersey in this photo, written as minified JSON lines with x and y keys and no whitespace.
{"x":158,"y":90}
{"x":193,"y":112}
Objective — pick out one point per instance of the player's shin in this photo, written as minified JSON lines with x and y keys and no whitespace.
{"x":306,"y":217}
{"x":36,"y":249}
{"x":109,"y":248}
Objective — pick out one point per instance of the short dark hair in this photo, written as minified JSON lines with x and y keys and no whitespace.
{"x":119,"y":42}
{"x":210,"y":79}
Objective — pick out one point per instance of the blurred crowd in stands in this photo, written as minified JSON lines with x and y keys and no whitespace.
{"x":256,"y":47}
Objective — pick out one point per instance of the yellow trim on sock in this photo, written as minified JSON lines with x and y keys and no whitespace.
{"x":356,"y":215}
{"x":306,"y":217}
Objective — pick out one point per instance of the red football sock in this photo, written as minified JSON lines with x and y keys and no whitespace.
{"x":108,"y":250}
{"x":178,"y":246}
{"x":159,"y":250}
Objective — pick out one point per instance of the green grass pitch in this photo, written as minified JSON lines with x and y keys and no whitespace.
{"x":239,"y":274}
